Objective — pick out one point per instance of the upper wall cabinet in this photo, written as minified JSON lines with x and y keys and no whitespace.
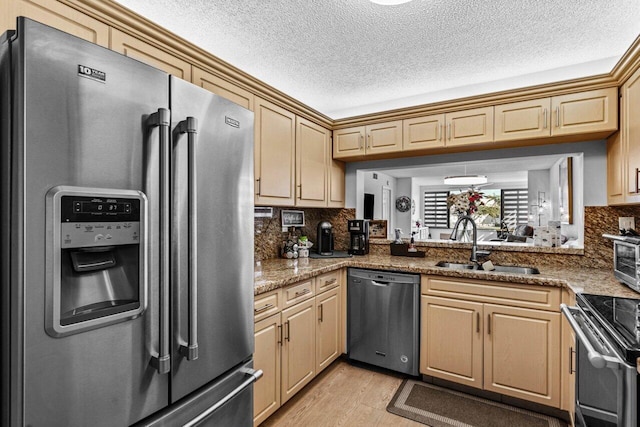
{"x":623,"y":148}
{"x":584,"y":112}
{"x":312,"y":171}
{"x":459,"y":128}
{"x":274,"y":154}
{"x":151,"y":55}
{"x":378,"y":138}
{"x":57,"y":15}
{"x":223,"y":88}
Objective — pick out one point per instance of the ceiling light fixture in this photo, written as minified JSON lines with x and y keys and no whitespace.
{"x":465,"y":180}
{"x":389,"y":2}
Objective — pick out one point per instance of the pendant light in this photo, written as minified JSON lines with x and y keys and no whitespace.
{"x":465,"y":179}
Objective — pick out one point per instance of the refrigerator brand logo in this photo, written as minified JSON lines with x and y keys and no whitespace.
{"x":92,"y":73}
{"x":231,"y":122}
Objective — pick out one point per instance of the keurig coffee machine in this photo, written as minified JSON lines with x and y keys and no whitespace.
{"x":325,"y":238}
{"x":359,"y":241}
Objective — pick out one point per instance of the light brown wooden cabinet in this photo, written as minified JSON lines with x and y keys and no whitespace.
{"x":149,"y":54}
{"x":267,"y":358}
{"x":299,"y":331}
{"x":568,"y":359}
{"x":623,"y":148}
{"x":572,"y":114}
{"x":223,"y":88}
{"x":336,"y":197}
{"x":372,"y":139}
{"x":56,"y":15}
{"x":298,"y":348}
{"x":585,"y":112}
{"x":458,"y":128}
{"x":274,"y":154}
{"x":312,"y":163}
{"x":494,"y":336}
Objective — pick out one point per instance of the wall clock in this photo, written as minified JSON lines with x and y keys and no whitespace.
{"x":403,"y":203}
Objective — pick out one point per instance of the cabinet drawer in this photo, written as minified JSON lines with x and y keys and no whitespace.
{"x":297,"y":293}
{"x":528,"y":296}
{"x":327,"y":281}
{"x":267,"y":304}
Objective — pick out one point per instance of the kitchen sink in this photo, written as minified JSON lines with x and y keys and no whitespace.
{"x":515,"y":269}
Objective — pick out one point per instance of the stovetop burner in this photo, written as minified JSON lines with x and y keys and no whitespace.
{"x":621,"y":316}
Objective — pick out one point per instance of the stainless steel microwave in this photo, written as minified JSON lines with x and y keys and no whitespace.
{"x":626,"y":263}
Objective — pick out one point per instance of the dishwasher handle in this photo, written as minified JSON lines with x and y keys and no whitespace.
{"x":382,"y":284}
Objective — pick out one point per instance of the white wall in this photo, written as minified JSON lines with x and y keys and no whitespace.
{"x":539,"y":180}
{"x":403,"y":219}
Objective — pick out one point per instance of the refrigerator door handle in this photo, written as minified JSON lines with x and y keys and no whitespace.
{"x":190,"y":127}
{"x":253,"y":377}
{"x":162,"y":119}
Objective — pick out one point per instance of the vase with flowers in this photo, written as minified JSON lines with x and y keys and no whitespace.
{"x":465,"y":203}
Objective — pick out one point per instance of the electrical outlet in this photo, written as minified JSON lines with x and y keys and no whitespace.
{"x":626,"y":223}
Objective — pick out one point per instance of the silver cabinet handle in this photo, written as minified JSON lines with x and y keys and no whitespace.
{"x":596,"y":359}
{"x":637,"y":173}
{"x":263,"y":308}
{"x":321,"y":318}
{"x":190,"y":127}
{"x":571,"y":353}
{"x":544,"y":115}
{"x":253,"y":377}
{"x":361,"y":141}
{"x":259,"y":186}
{"x":477,"y":322}
{"x":369,"y":141}
{"x":330,"y":282}
{"x":280,"y":334}
{"x":439,"y":133}
{"x":557,"y":117}
{"x":488,"y":324}
{"x":302,"y":292}
{"x":449,"y":131}
{"x":288,"y":333}
{"x":161,"y":119}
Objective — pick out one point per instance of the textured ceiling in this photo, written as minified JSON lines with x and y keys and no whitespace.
{"x":352,"y":57}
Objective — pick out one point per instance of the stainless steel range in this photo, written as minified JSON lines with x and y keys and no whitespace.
{"x":607,"y":359}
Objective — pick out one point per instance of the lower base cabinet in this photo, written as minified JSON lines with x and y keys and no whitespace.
{"x":511,"y":350}
{"x":296,"y":343}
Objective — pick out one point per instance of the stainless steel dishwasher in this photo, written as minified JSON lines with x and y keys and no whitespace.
{"x":383,"y":319}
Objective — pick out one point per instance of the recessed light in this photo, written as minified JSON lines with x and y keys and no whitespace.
{"x":389,"y":2}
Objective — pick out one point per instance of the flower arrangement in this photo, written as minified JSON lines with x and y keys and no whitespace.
{"x":465,"y":203}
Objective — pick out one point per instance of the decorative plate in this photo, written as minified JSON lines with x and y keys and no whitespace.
{"x":403,"y":203}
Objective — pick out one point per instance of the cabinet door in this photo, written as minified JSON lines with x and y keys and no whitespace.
{"x":149,"y":54}
{"x":312,"y":158}
{"x":568,"y":358}
{"x":451,"y":340}
{"x":221,"y":87}
{"x":616,"y":168}
{"x":274,"y":156}
{"x":327,"y":328}
{"x":384,"y":137}
{"x":523,"y":120}
{"x":299,"y":348}
{"x":266,"y":357}
{"x":57,"y":15}
{"x":469,"y":127}
{"x":630,"y":128}
{"x":423,"y":133}
{"x":582,"y":112}
{"x":336,"y":185}
{"x":348,"y":142}
{"x":522,"y":353}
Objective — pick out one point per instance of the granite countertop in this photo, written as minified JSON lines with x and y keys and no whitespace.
{"x":276,"y":273}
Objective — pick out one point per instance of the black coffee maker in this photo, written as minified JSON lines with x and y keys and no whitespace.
{"x":359,"y":241}
{"x":325,"y":238}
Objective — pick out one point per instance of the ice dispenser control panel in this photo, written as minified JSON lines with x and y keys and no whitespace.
{"x":90,"y":221}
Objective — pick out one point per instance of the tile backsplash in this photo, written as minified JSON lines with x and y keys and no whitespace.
{"x":597,"y":250}
{"x":269,"y":236}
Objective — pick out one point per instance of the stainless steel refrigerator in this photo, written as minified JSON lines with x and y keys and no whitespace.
{"x":127,"y":241}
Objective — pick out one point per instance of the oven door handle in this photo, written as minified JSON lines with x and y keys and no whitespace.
{"x":597,"y":359}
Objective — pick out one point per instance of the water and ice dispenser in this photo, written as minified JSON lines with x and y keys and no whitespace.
{"x":96,"y":258}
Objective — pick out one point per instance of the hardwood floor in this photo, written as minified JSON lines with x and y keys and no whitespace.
{"x":343,"y":395}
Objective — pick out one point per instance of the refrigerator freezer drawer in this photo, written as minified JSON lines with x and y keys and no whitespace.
{"x":226,"y":401}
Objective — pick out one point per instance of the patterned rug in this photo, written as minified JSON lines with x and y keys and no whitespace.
{"x":439,"y":407}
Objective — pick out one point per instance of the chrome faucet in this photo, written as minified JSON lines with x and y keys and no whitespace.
{"x":475,"y":253}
